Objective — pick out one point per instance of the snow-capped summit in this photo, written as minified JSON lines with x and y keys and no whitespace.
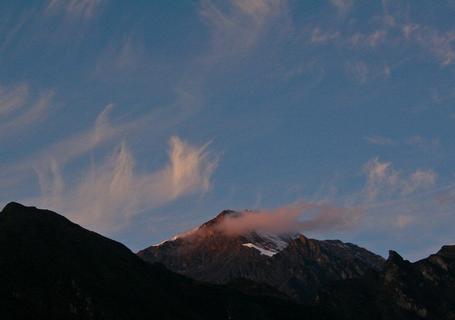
{"x":289,"y":262}
{"x":266,"y":243}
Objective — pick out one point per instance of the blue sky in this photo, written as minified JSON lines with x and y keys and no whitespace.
{"x":141,"y":120}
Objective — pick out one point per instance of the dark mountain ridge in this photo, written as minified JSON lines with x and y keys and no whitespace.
{"x":51,"y":268}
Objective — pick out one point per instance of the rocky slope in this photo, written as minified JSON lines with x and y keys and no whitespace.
{"x":291,"y":263}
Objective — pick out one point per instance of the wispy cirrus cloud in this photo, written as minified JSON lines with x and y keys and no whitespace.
{"x":69,"y":148}
{"x":237,"y":25}
{"x":416,"y":140}
{"x":109,"y":194}
{"x":368,"y":40}
{"x":12,"y":98}
{"x":343,"y":6}
{"x":7,"y":35}
{"x":362,"y":72}
{"x":321,"y":37}
{"x":124,"y":56}
{"x":392,"y":37}
{"x":441,"y":44}
{"x":407,"y":30}
{"x":75,"y":8}
{"x":379,"y":140}
{"x":19,"y":109}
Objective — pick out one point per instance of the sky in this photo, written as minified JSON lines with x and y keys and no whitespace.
{"x":140,"y":120}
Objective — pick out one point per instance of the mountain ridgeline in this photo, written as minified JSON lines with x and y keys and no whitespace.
{"x":292,"y":263}
{"x":51,"y":268}
{"x":341,"y":279}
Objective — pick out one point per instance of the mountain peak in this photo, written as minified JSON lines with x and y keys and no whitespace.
{"x":447,"y":251}
{"x":228,"y":212}
{"x":220,"y":217}
{"x":212,"y":254}
{"x":13,"y":206}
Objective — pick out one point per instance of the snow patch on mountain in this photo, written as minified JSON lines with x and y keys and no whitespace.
{"x":266,"y":243}
{"x":262,"y":251}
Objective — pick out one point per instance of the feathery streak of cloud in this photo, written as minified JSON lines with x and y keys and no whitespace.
{"x":109,"y":194}
{"x":238,"y":25}
{"x":75,"y":145}
{"x":18,"y":110}
{"x":75,"y":8}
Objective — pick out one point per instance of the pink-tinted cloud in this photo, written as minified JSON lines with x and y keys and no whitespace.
{"x":302,"y":217}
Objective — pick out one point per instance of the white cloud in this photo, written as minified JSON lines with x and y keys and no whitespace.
{"x":107,"y":195}
{"x":380,"y":175}
{"x":384,"y":180}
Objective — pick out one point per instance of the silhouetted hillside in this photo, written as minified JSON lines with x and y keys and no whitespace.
{"x":51,"y":268}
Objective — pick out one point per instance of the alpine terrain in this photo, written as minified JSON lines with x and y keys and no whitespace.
{"x":51,"y":268}
{"x":291,"y":263}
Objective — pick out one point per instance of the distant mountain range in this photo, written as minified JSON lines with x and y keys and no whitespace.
{"x":51,"y":268}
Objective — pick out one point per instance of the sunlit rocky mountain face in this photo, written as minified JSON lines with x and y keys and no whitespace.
{"x":344,"y":280}
{"x":289,"y":262}
{"x":51,"y":268}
